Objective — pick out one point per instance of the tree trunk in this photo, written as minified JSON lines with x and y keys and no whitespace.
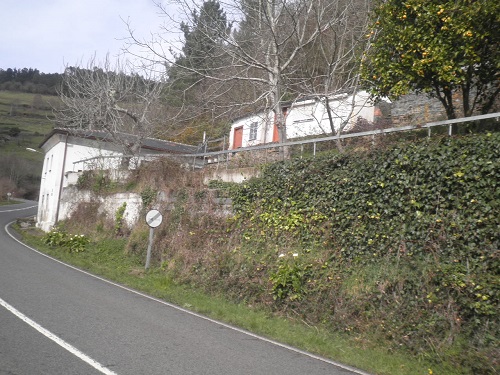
{"x":329,"y":112}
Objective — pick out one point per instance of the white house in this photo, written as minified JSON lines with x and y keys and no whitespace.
{"x":68,"y":152}
{"x":305,"y":117}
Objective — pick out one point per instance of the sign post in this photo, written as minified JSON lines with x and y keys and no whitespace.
{"x":153,"y":219}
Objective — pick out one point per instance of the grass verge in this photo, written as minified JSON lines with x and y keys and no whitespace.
{"x":106,"y":258}
{"x":9,"y":202}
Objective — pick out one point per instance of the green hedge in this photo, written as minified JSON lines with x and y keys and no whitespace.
{"x":421,"y":194}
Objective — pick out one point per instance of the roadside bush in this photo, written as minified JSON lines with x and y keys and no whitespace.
{"x":290,"y":278}
{"x":77,"y":243}
{"x":55,"y":238}
{"x":73,"y":243}
{"x":137,"y":242}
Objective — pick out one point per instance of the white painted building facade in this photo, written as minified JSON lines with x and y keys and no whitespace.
{"x":67,"y":154}
{"x":303,"y":118}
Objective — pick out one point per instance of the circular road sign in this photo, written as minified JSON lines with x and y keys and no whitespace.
{"x":154,"y":218}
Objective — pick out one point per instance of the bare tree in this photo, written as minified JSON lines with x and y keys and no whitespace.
{"x":332,"y":62}
{"x":258,"y":62}
{"x":107,"y":98}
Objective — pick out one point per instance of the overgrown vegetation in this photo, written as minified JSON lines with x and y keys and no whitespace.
{"x":399,"y":246}
{"x":119,"y":217}
{"x":105,"y":258}
{"x":395,"y":248}
{"x":97,"y":181}
{"x":148,"y":196}
{"x":403,"y":243}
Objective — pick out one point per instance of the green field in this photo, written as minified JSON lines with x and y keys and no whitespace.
{"x":30,"y":113}
{"x":25,"y":120}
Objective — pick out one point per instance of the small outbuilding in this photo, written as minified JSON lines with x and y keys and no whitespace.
{"x":303,"y":118}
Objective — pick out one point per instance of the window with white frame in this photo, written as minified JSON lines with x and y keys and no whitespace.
{"x":253,"y":131}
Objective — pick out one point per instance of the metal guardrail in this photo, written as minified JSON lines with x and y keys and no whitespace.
{"x":199,"y":159}
{"x":428,"y":125}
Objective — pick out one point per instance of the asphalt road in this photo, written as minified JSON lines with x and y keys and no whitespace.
{"x":55,"y":319}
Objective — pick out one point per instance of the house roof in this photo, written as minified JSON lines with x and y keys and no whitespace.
{"x":151,"y":144}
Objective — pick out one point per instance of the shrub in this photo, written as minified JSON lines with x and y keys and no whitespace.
{"x":59,"y":238}
{"x":148,"y":195}
{"x":55,"y":238}
{"x":289,"y":280}
{"x":119,"y":217}
{"x":77,"y":243}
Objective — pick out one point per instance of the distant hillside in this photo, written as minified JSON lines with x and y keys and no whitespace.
{"x":25,"y":118}
{"x":30,"y":81}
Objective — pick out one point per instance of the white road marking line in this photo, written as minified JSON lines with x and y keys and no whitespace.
{"x":19,"y":209}
{"x":57,"y":339}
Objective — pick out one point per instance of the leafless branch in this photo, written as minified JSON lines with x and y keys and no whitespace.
{"x":106,"y":97}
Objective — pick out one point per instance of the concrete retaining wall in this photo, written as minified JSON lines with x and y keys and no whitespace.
{"x":108,"y":205}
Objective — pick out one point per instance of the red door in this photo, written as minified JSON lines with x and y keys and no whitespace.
{"x":238,"y":137}
{"x":276,"y":136}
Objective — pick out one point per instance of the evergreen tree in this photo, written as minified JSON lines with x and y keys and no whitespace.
{"x":202,"y":37}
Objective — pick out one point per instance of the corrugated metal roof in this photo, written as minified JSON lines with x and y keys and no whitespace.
{"x":148,"y":143}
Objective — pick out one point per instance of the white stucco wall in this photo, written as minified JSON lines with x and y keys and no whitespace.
{"x":310,"y":117}
{"x":363,"y":108}
{"x":307,"y":118}
{"x":231,"y":175}
{"x":108,"y":205}
{"x":50,"y":183}
{"x":264,"y":129}
{"x":56,"y":168}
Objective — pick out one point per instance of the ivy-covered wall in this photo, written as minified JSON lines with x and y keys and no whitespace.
{"x":414,"y":199}
{"x":402,"y":242}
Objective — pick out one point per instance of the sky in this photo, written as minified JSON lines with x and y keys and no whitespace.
{"x":49,"y":35}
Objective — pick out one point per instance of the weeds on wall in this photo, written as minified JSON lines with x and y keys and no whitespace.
{"x":86,"y":218}
{"x":148,"y":196}
{"x":119,"y":219}
{"x":137,"y":241}
{"x":96,"y":181}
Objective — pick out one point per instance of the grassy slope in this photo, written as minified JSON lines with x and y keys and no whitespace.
{"x":32,"y":115}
